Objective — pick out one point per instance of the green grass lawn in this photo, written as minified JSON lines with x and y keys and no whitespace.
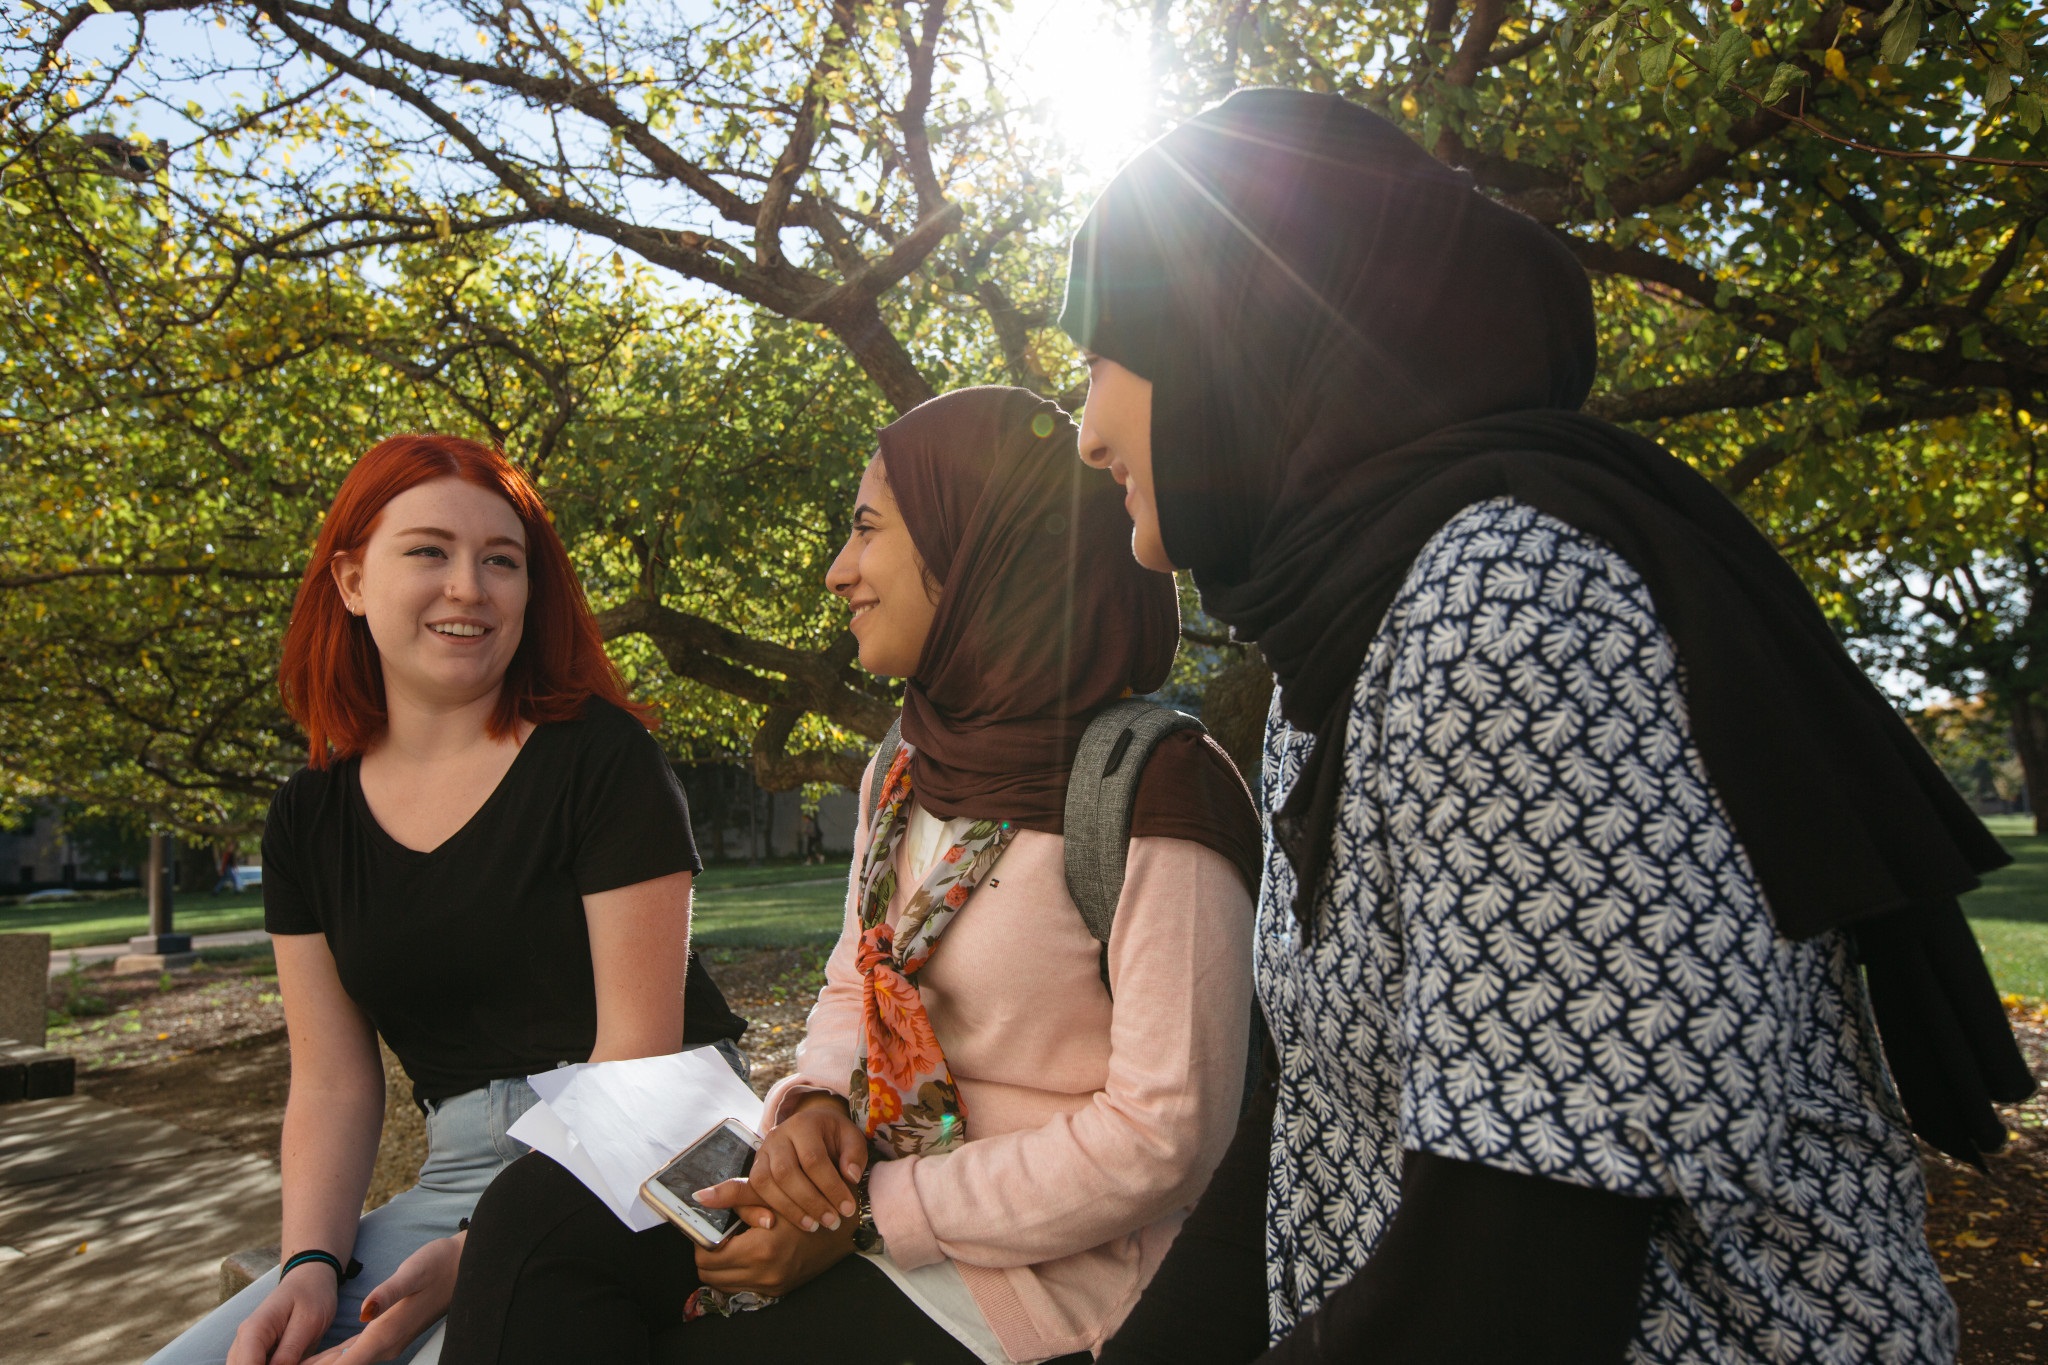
{"x":114,"y":919}
{"x":2010,"y":911}
{"x":788,"y":904}
{"x":736,"y":907}
{"x":718,"y":876}
{"x":782,"y":916}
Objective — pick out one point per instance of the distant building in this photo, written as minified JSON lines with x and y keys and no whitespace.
{"x":39,"y":854}
{"x":736,"y":821}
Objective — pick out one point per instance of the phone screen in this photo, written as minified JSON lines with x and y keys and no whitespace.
{"x":719,"y":1155}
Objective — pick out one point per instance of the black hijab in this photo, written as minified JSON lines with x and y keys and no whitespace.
{"x":1348,"y":345}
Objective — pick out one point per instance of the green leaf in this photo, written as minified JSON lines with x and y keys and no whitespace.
{"x":2026,"y":107}
{"x":1782,"y":80}
{"x":1655,"y":63}
{"x":1726,"y":57}
{"x":1997,"y":86}
{"x":1902,"y":24}
{"x":2012,"y":50}
{"x":1594,"y":35}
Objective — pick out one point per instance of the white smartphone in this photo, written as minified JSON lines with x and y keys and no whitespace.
{"x":724,"y":1153}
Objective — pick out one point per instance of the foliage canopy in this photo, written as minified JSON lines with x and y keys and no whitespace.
{"x":1815,"y":231}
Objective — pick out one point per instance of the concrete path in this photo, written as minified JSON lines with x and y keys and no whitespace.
{"x":61,"y":960}
{"x":112,"y":1229}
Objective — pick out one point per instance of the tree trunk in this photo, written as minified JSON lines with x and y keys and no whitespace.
{"x":2030,"y":742}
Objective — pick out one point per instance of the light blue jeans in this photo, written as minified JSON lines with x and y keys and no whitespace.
{"x":466,"y":1148}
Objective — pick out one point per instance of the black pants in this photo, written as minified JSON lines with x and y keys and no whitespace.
{"x":550,"y":1276}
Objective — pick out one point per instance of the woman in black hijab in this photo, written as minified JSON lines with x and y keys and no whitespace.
{"x":1583,"y":819}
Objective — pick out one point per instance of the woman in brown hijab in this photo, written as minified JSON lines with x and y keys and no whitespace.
{"x":986,"y":1147}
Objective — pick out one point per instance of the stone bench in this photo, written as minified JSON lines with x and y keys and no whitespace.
{"x":243,"y":1268}
{"x":25,"y":988}
{"x":34,"y":1073}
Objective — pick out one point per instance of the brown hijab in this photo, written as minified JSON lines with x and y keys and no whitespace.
{"x":1043,"y":618}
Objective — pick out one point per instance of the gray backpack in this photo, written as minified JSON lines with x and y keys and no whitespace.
{"x":1100,"y":794}
{"x":1101,"y":791}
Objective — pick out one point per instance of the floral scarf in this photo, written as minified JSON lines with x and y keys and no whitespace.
{"x":902,"y":1094}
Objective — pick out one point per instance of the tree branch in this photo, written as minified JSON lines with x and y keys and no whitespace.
{"x":752,"y":670}
{"x":1764,"y":456}
{"x":778,"y":770}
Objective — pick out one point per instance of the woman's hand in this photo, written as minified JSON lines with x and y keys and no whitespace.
{"x":774,"y":1260}
{"x":288,"y":1321}
{"x":806,"y":1169}
{"x":407,"y":1304}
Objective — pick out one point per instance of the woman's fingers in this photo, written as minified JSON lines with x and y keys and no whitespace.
{"x":431,"y":1267}
{"x":849,"y":1146}
{"x":794,"y":1166}
{"x":742,"y":1198}
{"x":804,"y":1172}
{"x":821,"y":1166}
{"x":777,"y":1182}
{"x":728,"y":1194}
{"x":391,"y":1291}
{"x":298,"y":1337}
{"x":254,"y":1338}
{"x":391,"y":1333}
{"x":288,"y":1321}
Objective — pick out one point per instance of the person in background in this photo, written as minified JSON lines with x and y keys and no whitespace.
{"x":486,"y":860}
{"x":993,"y":1130}
{"x":1597,"y":867}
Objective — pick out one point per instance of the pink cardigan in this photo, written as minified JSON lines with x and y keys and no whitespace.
{"x":1091,"y":1129}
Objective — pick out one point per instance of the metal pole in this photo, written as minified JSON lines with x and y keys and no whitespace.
{"x":161,"y":949}
{"x":159,"y":893}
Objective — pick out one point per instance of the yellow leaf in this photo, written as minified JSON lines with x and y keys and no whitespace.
{"x":1976,"y":1241}
{"x":102,"y":6}
{"x":1837,"y":64}
{"x":1409,"y":107}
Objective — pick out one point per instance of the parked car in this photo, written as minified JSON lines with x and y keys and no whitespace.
{"x":55,"y":893}
{"x":238,"y":879}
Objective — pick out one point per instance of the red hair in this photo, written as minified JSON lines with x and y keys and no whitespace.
{"x":331,"y":678}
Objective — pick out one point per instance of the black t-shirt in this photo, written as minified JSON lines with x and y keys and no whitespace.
{"x":473,"y":960}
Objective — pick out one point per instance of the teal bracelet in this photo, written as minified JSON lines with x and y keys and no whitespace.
{"x":326,"y":1258}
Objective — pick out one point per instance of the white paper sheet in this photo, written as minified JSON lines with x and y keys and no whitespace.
{"x":613,"y":1124}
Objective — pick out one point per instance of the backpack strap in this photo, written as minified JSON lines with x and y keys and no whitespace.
{"x":1101,"y":792}
{"x":885,"y":755}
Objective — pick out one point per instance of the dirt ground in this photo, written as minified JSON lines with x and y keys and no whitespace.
{"x":206,"y":1050}
{"x":1991,"y":1231}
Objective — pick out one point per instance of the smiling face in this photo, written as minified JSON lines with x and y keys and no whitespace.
{"x":1116,"y":434}
{"x":442,"y":585}
{"x":879,"y":574}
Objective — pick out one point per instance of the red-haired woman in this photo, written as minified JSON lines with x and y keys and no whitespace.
{"x":486,"y":860}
